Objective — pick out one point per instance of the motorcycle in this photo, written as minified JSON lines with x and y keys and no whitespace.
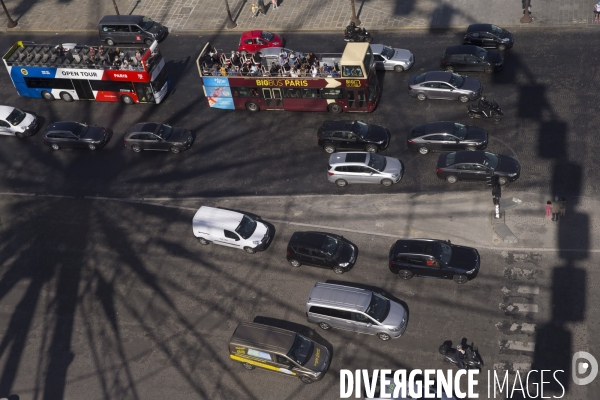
{"x":485,"y":109}
{"x":360,"y":35}
{"x":471,"y":360}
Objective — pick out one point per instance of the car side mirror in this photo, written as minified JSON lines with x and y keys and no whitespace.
{"x":369,"y":325}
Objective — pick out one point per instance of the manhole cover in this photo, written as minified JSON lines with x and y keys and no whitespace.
{"x":186,"y":10}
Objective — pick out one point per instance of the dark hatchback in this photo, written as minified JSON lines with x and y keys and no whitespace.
{"x":321,"y":249}
{"x":477,"y":166}
{"x":489,"y":36}
{"x":154,"y":136}
{"x":471,"y":58}
{"x":356,"y":135}
{"x":74,"y":134}
{"x":446,"y":136}
{"x":433,"y":258}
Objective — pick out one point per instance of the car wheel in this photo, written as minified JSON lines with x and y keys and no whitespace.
{"x":335,"y":108}
{"x":249,"y":250}
{"x":47,"y":95}
{"x":341,"y":182}
{"x":451,"y":179}
{"x":19,"y":135}
{"x":423,"y":150}
{"x":463,"y":99}
{"x":450,"y":69}
{"x":127,"y":100}
{"x":175,"y":149}
{"x":136,"y":148}
{"x":387,"y":182}
{"x":295,"y":263}
{"x":306,"y":379}
{"x":501,"y":47}
{"x":399,"y":68}
{"x":502,"y":180}
{"x":421,"y":96}
{"x":92,"y":146}
{"x":488,"y":70}
{"x":338,"y":270}
{"x":203,"y":241}
{"x":497,"y":117}
{"x":324,"y":326}
{"x":371,"y":148}
{"x":148,"y":42}
{"x":55,"y":146}
{"x":66,"y":96}
{"x":110,"y":42}
{"x":329,"y":148}
{"x":252,"y":106}
{"x":248,"y":366}
{"x":460,"y":279}
{"x":405,"y":274}
{"x":471,"y":148}
{"x":384,"y":336}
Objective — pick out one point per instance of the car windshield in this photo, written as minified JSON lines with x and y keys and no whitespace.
{"x":460,"y":131}
{"x":377,"y":162}
{"x":330,"y":246}
{"x":450,"y":159}
{"x":164,"y":131}
{"x":481,"y":54}
{"x":16,"y":117}
{"x":445,"y":253}
{"x":301,"y":349}
{"x":246,"y":227}
{"x":496,"y":30}
{"x":387,"y":52}
{"x":457,"y":80}
{"x":80,"y":130}
{"x":491,"y":160}
{"x":146,"y":24}
{"x":378,"y":308}
{"x":360,"y":128}
{"x":268,"y":36}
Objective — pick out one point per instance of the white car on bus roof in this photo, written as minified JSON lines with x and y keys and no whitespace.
{"x":15,"y":122}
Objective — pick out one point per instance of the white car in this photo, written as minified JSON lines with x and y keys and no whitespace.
{"x":388,"y":58}
{"x":14,"y":122}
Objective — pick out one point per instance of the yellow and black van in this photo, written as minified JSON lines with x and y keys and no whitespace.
{"x":279,"y":350}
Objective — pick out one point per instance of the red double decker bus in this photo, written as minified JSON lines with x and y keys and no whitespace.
{"x":336,"y":83}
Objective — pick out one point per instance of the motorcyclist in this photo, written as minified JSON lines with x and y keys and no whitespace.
{"x":484,"y":103}
{"x":459,"y":356}
{"x":352,"y":29}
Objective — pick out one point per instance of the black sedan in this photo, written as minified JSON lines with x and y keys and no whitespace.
{"x":433,"y":258}
{"x":155,"y":136}
{"x":489,"y":36}
{"x":446,"y":136}
{"x":356,"y":135}
{"x":477,"y":166}
{"x":75,"y":134}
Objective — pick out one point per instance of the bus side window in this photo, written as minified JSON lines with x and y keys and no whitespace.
{"x":310,"y":93}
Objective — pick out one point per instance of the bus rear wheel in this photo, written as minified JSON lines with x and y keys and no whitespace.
{"x":252,"y":106}
{"x":127,"y":100}
{"x":47,"y":95}
{"x":335,"y":108}
{"x":66,"y":96}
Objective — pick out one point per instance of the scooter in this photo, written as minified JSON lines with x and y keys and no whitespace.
{"x":485,"y":109}
{"x":471,"y":360}
{"x":358,"y":36}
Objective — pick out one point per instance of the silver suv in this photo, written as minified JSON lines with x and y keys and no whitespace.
{"x":363,"y":167}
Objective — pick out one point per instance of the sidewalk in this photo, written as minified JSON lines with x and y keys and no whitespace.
{"x":198,"y":15}
{"x":464,"y":218}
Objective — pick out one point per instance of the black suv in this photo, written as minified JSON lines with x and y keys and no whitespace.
{"x":321,"y":249}
{"x":471,"y":58}
{"x":433,"y":258}
{"x":356,"y":135}
{"x":489,"y":36}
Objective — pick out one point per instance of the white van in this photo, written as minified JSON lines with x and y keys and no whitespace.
{"x":230,"y":228}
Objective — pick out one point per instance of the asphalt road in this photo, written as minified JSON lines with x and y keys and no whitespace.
{"x":547,"y":89}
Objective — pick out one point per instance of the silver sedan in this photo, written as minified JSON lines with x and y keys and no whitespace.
{"x":388,"y":58}
{"x":445,"y":86}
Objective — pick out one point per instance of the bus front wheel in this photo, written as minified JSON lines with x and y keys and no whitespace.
{"x":127,"y":100}
{"x":47,"y":95}
{"x":335,"y":108}
{"x":66,"y":96}
{"x":252,"y":106}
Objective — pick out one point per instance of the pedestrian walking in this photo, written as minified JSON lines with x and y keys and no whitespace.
{"x":597,"y":13}
{"x":548,"y":209}
{"x":275,"y":4}
{"x":555,"y":209}
{"x":261,"y":7}
{"x":563,"y":206}
{"x":254,"y":10}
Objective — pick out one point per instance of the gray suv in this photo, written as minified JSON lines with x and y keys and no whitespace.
{"x":364,"y":167}
{"x":357,"y":310}
{"x":115,"y":29}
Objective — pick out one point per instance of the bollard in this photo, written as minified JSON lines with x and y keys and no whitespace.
{"x":497,"y":214}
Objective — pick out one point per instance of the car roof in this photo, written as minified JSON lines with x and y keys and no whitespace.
{"x":264,"y":337}
{"x":252,"y":34}
{"x":469,"y":157}
{"x":480,"y":27}
{"x":441,"y":76}
{"x":217,"y":217}
{"x":310,"y":238}
{"x":62,"y":125}
{"x":348,"y":297}
{"x":351,"y":157}
{"x":462,"y":49}
{"x":5,"y":111}
{"x":439,"y":127}
{"x":406,"y":245}
{"x":126,"y":19}
{"x":331,"y":125}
